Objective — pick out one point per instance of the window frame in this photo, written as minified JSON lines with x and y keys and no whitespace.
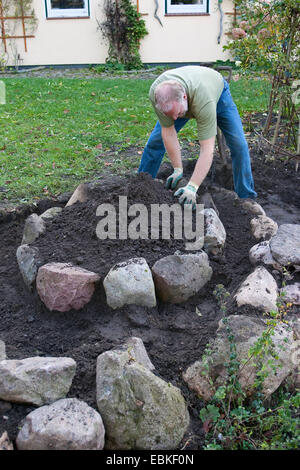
{"x":52,"y":13}
{"x":187,"y":9}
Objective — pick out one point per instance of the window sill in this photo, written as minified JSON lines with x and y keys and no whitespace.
{"x":187,"y":14}
{"x":69,"y":18}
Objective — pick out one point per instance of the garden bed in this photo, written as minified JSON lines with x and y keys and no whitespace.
{"x":175,"y":336}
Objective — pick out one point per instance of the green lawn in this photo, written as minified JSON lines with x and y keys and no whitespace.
{"x":56,"y":133}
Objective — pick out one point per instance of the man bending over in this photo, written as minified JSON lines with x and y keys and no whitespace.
{"x":200,"y":93}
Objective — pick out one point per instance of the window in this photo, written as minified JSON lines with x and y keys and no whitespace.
{"x":67,"y":8}
{"x":187,"y":6}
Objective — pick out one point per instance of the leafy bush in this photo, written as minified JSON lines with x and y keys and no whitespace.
{"x":233,"y":421}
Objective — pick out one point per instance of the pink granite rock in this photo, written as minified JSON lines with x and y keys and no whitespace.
{"x":62,"y":286}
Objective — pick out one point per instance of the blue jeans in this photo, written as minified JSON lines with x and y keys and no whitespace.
{"x":229,"y":121}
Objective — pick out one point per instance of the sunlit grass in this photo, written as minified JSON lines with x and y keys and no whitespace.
{"x":55,"y":133}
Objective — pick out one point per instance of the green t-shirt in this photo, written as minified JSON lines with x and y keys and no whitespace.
{"x":203,"y":87}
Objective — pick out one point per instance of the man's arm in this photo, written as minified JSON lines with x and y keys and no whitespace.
{"x":204,"y":161}
{"x":170,"y":139}
{"x":187,"y":194}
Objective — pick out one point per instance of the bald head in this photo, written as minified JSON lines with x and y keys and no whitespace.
{"x":167,"y":93}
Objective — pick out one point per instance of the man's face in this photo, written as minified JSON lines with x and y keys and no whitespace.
{"x":178,"y":110}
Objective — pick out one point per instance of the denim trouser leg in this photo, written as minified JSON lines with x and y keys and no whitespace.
{"x":229,"y":122}
{"x":154,"y":150}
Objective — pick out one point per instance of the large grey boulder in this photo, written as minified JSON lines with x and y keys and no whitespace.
{"x":285,"y":245}
{"x":28,"y":259}
{"x":33,"y":228}
{"x":214,"y":233}
{"x":209,"y":373}
{"x":36,"y":380}
{"x":67,"y":424}
{"x":130,"y":283}
{"x":139,"y":409}
{"x":178,"y":277}
{"x":259,"y":290}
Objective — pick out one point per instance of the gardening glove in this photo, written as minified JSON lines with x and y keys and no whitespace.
{"x":188,"y":194}
{"x":174,"y":178}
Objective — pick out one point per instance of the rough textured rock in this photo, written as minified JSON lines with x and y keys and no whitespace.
{"x":2,"y":351}
{"x":261,"y":254}
{"x":80,"y":195}
{"x":33,"y":228}
{"x":292,"y":293}
{"x":51,"y":213}
{"x":253,"y":207}
{"x":259,"y":290}
{"x":246,"y":331}
{"x":263,"y":227}
{"x":62,"y":286}
{"x":214,"y":233}
{"x":139,"y":410}
{"x":67,"y":424}
{"x":5,"y":442}
{"x":178,"y":277}
{"x":36,"y":380}
{"x":130,"y":283}
{"x":28,"y":258}
{"x":285,"y":245}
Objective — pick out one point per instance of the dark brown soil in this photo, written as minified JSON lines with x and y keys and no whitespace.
{"x":174,"y":335}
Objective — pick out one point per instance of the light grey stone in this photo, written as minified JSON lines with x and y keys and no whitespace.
{"x":285,"y":245}
{"x":67,"y":424}
{"x":2,"y":351}
{"x":179,"y":277}
{"x":34,"y":227}
{"x":80,"y":195}
{"x":253,"y":207}
{"x":130,"y":283}
{"x":36,"y":380}
{"x":259,"y":290}
{"x":206,"y":375}
{"x":214,"y":233}
{"x":291,"y":293}
{"x":263,"y":227}
{"x":5,"y":442}
{"x":261,"y":254}
{"x":139,"y":410}
{"x":28,"y":258}
{"x":51,"y":213}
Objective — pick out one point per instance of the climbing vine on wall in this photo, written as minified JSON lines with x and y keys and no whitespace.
{"x":123,"y":28}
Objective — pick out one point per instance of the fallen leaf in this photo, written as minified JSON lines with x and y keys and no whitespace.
{"x":66,"y":111}
{"x":99,"y":146}
{"x":207,"y":425}
{"x":107,"y":164}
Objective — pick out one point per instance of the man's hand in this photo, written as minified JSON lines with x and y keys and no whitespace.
{"x":174,"y":178}
{"x":188,"y":194}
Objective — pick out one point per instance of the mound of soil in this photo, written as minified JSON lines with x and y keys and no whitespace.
{"x":175,"y":336}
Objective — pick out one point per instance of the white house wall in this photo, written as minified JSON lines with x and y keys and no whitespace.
{"x":181,"y":39}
